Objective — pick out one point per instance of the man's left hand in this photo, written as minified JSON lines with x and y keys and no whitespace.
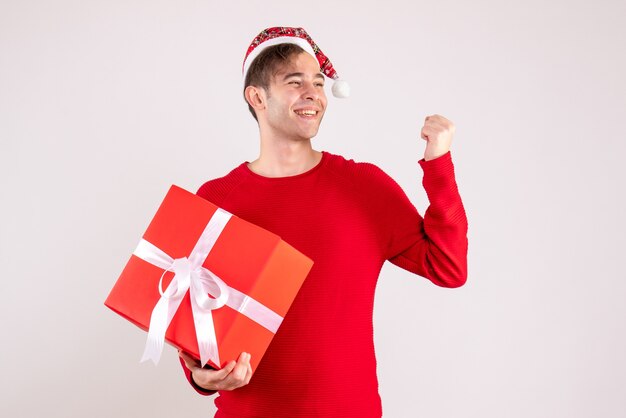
{"x":437,"y":132}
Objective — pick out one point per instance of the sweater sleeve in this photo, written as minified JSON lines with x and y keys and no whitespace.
{"x":434,"y":246}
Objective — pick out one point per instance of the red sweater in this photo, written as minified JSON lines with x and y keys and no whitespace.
{"x":349,"y":218}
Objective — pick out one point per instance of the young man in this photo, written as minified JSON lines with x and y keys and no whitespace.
{"x":349,"y":218}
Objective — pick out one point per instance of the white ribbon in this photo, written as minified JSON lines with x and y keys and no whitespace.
{"x":189,"y":275}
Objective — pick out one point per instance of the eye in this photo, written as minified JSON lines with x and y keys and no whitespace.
{"x":295,"y":82}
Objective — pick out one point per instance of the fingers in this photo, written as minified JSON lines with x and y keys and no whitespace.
{"x":437,"y":132}
{"x":233,"y":375}
{"x":435,"y":125}
{"x":190,"y":362}
{"x":240,"y":374}
{"x":437,"y":119}
{"x":248,"y":374}
{"x":223,"y":373}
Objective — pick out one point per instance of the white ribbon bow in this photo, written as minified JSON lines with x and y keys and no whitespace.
{"x":189,"y":275}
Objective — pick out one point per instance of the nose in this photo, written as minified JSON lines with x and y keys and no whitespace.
{"x":311,"y":92}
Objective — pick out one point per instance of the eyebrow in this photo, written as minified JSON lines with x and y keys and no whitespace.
{"x":318,"y":75}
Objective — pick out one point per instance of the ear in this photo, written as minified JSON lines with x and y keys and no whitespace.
{"x":256,"y":97}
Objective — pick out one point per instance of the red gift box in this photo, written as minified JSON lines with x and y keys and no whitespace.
{"x":257,"y":274}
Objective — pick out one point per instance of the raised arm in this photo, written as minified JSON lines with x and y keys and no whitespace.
{"x":434,"y":246}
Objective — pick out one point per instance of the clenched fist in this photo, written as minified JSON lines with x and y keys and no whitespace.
{"x":437,"y":132}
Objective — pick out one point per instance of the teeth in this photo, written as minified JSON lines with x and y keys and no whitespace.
{"x":307,"y":112}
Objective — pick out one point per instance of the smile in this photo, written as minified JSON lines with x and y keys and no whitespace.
{"x":306,"y":112}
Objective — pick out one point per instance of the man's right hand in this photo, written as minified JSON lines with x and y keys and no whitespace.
{"x":232,"y":376}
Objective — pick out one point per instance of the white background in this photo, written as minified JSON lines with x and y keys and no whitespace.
{"x":104,"y":104}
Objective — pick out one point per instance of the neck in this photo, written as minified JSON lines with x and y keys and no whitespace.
{"x":284,"y":159}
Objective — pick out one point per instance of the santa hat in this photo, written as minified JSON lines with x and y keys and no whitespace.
{"x":298,"y":36}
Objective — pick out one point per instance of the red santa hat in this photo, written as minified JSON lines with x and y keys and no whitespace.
{"x":298,"y":36}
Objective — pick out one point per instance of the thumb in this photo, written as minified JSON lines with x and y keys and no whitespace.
{"x":222,"y":373}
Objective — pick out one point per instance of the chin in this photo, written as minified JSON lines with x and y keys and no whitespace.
{"x":310,"y":135}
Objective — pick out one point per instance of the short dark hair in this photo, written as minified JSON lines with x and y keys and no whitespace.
{"x":266,"y":65}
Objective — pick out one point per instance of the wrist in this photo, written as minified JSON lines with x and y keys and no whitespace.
{"x":434,"y":154}
{"x":429,"y":156}
{"x":198,"y":386}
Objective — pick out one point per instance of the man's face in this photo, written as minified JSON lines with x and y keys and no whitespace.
{"x":296,"y":100}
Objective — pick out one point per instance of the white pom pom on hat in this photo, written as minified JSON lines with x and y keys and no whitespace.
{"x":298,"y":36}
{"x":341,"y":88}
